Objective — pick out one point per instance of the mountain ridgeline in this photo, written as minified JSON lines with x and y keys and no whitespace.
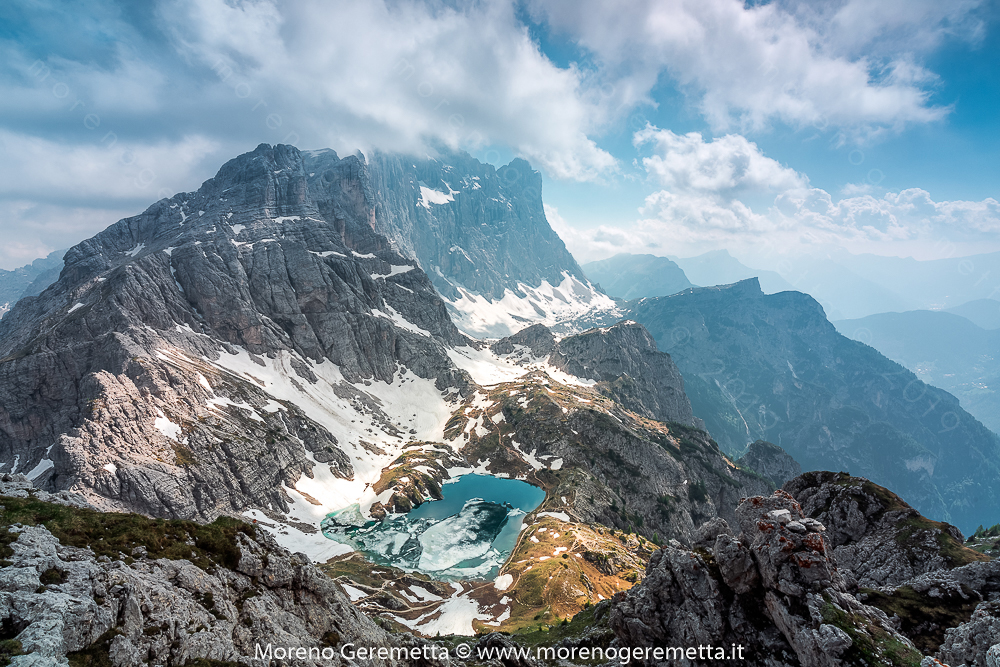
{"x":481,"y":235}
{"x":28,"y":280}
{"x":772,"y":367}
{"x":292,"y":344}
{"x":943,"y":349}
{"x":106,"y":379}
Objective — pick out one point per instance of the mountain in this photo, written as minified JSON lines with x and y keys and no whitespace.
{"x":768,"y":584}
{"x":28,"y":280}
{"x":853,"y":286}
{"x":943,"y":349}
{"x":481,"y":235}
{"x":984,"y":313}
{"x":718,"y":267}
{"x":205,"y":355}
{"x":257,"y":349}
{"x":843,"y":292}
{"x":634,"y":276}
{"x":185,"y":594}
{"x":932,"y":284}
{"x":772,"y":367}
{"x":268,"y":379}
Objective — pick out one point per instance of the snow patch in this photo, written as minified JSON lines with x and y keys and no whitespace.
{"x":354,"y":593}
{"x":429,"y":196}
{"x":393,"y":271}
{"x":547,"y":304}
{"x":168,"y":428}
{"x":36,"y":472}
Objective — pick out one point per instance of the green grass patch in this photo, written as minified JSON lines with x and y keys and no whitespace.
{"x":924,"y":619}
{"x":8,"y":649}
{"x":113,"y":534}
{"x":871,"y":644}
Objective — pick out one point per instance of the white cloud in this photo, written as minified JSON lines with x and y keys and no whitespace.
{"x":101,"y":171}
{"x":728,"y":165}
{"x":54,"y":194}
{"x":727,"y":193}
{"x":889,"y":27}
{"x":353,"y":75}
{"x":748,"y":66}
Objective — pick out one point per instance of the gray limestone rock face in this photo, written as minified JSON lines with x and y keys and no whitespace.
{"x":776,"y":592}
{"x":770,"y":461}
{"x":113,"y":381}
{"x":171,"y":612}
{"x":771,"y":366}
{"x":536,"y":339}
{"x":973,"y":642}
{"x":873,"y":532}
{"x":470,"y":225}
{"x":631,"y":370}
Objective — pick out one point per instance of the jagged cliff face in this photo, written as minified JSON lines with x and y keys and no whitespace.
{"x":481,"y":235}
{"x":258,"y":348}
{"x":772,"y":367}
{"x":211,"y":352}
{"x":771,"y":585}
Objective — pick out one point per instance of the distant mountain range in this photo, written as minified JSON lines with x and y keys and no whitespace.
{"x":634,"y":276}
{"x":334,"y":259}
{"x":983,"y":313}
{"x":853,"y":286}
{"x":772,"y":367}
{"x":28,"y":280}
{"x":310,"y":340}
{"x":628,"y":276}
{"x":941,"y":348}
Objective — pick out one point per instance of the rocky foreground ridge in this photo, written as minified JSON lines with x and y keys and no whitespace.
{"x":83,"y":587}
{"x":122,"y":590}
{"x":786,"y":584}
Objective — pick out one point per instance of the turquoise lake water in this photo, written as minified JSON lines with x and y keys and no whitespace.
{"x":467,"y":534}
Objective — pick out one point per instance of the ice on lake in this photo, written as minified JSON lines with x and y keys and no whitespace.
{"x":467,"y":534}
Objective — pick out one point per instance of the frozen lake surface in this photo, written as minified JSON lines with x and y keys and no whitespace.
{"x":467,"y":534}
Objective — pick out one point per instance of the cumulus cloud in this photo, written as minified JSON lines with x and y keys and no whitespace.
{"x":726,"y":166}
{"x":180,"y":86}
{"x":704,"y":205}
{"x":748,"y":65}
{"x":402,"y":77}
{"x":53,"y":194}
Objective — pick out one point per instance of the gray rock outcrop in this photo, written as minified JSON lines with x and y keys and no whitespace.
{"x":623,"y":360}
{"x":776,"y":590}
{"x":874,"y":533}
{"x":772,"y":367}
{"x":483,"y":228}
{"x":630,"y":370}
{"x":771,"y":462}
{"x":135,"y":611}
{"x":973,"y":642}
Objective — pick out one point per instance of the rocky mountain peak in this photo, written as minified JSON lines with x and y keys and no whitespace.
{"x":481,"y":234}
{"x":875,"y":533}
{"x":273,"y":262}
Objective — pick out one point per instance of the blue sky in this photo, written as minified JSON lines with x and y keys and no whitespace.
{"x":671,"y":127}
